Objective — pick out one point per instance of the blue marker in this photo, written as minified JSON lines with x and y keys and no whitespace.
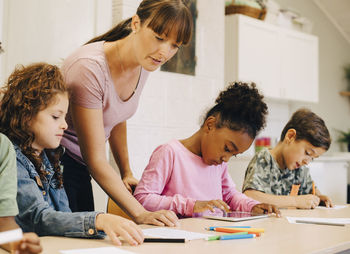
{"x":231,"y":237}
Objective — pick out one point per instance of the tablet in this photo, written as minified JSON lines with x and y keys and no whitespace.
{"x":236,"y":216}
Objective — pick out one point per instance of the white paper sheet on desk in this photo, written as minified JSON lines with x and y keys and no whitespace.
{"x":11,"y":236}
{"x":322,"y":220}
{"x":173,"y":233}
{"x":336,"y":207}
{"x":102,"y":250}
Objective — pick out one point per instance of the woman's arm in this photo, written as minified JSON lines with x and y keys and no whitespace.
{"x":119,"y":148}
{"x":88,"y":124}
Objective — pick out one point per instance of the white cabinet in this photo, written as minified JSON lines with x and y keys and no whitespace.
{"x":282,"y":62}
{"x":331,"y":178}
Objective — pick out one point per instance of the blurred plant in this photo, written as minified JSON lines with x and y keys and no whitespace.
{"x":344,"y":137}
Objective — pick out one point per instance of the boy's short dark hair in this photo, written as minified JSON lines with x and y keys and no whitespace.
{"x":309,"y":127}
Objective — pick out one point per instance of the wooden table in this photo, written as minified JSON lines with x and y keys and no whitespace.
{"x":280,"y":237}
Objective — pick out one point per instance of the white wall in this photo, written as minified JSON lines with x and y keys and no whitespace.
{"x":49,"y":30}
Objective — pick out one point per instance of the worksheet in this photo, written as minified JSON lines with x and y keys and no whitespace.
{"x":102,"y":250}
{"x":164,"y":232}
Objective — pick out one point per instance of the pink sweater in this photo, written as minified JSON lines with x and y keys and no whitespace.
{"x":175,"y":178}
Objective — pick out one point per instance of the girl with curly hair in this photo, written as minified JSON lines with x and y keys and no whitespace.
{"x":32,"y":115}
{"x":190,"y":176}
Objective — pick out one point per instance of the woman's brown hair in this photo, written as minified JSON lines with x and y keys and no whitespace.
{"x":27,"y":91}
{"x":309,"y":127}
{"x":163,"y":17}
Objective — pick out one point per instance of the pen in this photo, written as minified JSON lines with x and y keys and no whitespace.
{"x":164,"y":240}
{"x":320,"y":223}
{"x":230,"y":237}
{"x":313,"y":188}
{"x":217,"y":237}
{"x":212,"y":228}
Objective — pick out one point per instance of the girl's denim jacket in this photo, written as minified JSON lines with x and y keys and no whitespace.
{"x":43,"y":207}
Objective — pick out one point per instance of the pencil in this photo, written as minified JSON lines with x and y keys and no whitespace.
{"x":164,"y":240}
{"x":320,"y":223}
{"x":313,"y":188}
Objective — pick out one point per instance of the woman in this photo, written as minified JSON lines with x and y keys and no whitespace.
{"x":106,"y":77}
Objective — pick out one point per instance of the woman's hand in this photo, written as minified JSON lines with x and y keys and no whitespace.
{"x":266,"y":209}
{"x":201,"y":206}
{"x":326,"y":201}
{"x":158,"y":218}
{"x":30,"y":244}
{"x":115,"y":226}
{"x":130,"y":182}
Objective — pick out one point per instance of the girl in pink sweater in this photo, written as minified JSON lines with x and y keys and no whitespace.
{"x":190,"y":176}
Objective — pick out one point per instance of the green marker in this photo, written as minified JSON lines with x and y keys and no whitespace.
{"x":217,"y":237}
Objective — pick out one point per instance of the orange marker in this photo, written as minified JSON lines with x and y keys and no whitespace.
{"x":256,"y":231}
{"x":295,"y":189}
{"x":313,"y":188}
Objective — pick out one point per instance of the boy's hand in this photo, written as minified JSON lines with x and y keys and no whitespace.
{"x":326,"y":201}
{"x":266,"y":208}
{"x":30,"y":244}
{"x":201,"y":206}
{"x":308,"y":201}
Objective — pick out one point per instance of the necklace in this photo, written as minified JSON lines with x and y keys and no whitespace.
{"x":119,"y":58}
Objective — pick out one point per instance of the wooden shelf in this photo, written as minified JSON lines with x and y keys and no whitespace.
{"x":344,"y":93}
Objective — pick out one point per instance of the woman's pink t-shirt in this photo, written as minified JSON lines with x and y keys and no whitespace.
{"x":87,"y":75}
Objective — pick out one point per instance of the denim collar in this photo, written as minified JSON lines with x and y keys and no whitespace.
{"x":30,"y":166}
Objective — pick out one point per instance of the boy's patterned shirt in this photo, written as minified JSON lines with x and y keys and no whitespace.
{"x":263,"y":174}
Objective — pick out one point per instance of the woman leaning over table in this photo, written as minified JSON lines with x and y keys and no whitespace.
{"x":106,"y":77}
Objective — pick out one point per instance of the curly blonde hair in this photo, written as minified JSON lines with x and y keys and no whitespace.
{"x":28,"y":91}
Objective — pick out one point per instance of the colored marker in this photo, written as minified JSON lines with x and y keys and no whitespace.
{"x":217,"y":237}
{"x":231,"y":237}
{"x":235,"y":230}
{"x":213,"y":228}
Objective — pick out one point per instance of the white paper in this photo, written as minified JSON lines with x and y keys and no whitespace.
{"x":164,"y":232}
{"x":102,"y":250}
{"x":336,"y":207}
{"x":320,"y":220}
{"x":11,"y":236}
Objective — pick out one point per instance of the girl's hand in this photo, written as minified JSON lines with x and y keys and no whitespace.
{"x":201,"y":206}
{"x":115,"y":226}
{"x":30,"y":244}
{"x":266,"y":208}
{"x":308,"y":201}
{"x":158,"y":218}
{"x":130,"y":182}
{"x":326,"y":201}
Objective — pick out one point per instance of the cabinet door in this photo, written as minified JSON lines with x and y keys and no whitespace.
{"x":250,"y":54}
{"x":299,"y":66}
{"x":258,"y":56}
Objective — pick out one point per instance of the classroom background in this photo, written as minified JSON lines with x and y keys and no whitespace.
{"x":172,"y":103}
